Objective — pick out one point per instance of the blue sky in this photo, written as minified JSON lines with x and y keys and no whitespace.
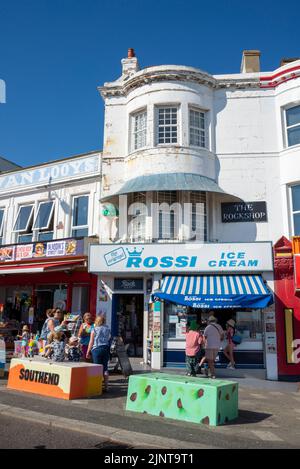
{"x":54,"y":54}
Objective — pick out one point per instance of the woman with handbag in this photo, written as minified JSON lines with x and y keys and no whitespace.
{"x":228,"y":350}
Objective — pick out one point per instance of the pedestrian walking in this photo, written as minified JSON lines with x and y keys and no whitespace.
{"x":213,"y":335}
{"x":84,"y":333}
{"x":192,"y":347}
{"x":99,"y":346}
{"x":228,"y":350}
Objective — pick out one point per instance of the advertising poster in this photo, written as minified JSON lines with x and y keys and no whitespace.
{"x":24,"y":252}
{"x":40,"y":250}
{"x":271,"y":343}
{"x":71,"y":247}
{"x":30,"y":315}
{"x":56,"y":249}
{"x":7,"y":253}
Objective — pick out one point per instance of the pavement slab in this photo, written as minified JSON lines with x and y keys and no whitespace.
{"x":268,"y":422}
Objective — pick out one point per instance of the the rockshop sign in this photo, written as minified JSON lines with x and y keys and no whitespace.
{"x":130,"y":258}
{"x":242,"y":212}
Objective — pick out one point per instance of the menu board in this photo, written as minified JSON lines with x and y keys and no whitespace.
{"x":270,"y":331}
{"x":156,"y":327}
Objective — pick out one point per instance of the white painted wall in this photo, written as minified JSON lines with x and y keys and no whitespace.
{"x":246,"y":151}
{"x":62,"y":192}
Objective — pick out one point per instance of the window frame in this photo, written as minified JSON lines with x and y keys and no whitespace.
{"x":202,"y":111}
{"x":157,"y":126}
{"x":194,"y":212}
{"x":49,"y":218}
{"x":133,"y":132}
{"x":79,"y":227}
{"x":286,"y":127}
{"x":44,"y":233}
{"x":2,"y":209}
{"x":28,"y":220}
{"x":162,"y":197}
{"x":292,"y":211}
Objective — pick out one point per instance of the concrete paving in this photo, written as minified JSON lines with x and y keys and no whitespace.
{"x":269,"y":417}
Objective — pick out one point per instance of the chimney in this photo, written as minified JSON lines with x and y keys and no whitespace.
{"x":130,"y":65}
{"x":250,"y":61}
{"x":287,"y":60}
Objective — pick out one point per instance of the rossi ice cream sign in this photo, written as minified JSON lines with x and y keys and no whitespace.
{"x":242,"y":257}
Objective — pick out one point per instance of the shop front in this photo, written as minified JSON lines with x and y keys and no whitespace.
{"x":180,"y":282}
{"x":38,"y":276}
{"x":287,"y":302}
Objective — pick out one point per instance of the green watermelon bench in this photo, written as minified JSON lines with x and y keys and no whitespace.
{"x":209,"y":401}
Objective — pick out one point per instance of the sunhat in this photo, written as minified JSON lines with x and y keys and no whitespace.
{"x":73,"y":339}
{"x":25,"y":328}
{"x":193,"y":325}
{"x":231,"y":323}
{"x":212,"y":319}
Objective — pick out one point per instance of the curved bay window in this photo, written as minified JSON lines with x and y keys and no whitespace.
{"x":198,"y":216}
{"x":169,"y":215}
{"x":174,"y":216}
{"x":137,"y":216}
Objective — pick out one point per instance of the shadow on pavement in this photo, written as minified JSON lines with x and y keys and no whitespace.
{"x":249,"y":417}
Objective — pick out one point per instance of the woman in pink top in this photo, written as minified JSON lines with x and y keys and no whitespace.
{"x":192,"y":347}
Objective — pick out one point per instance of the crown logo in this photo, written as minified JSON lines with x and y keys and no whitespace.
{"x":134,"y":253}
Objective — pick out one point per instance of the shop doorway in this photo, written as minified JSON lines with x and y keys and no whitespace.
{"x":130,"y":322}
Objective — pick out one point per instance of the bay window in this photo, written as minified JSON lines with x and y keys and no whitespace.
{"x":197,"y":128}
{"x":139,"y":130}
{"x":167,"y":129}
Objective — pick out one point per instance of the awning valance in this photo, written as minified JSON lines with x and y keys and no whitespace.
{"x":168,"y":182}
{"x":39,"y":268}
{"x":216,"y":291}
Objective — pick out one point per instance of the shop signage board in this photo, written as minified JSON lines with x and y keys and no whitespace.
{"x":50,"y":173}
{"x":63,"y":380}
{"x":128,"y":284}
{"x":42,"y":250}
{"x":194,"y":257}
{"x":241,"y":212}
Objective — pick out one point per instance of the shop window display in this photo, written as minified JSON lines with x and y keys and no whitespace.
{"x":176,"y":318}
{"x":248,"y":322}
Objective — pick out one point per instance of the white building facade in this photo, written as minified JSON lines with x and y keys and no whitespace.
{"x":49,"y":213}
{"x":224,"y":150}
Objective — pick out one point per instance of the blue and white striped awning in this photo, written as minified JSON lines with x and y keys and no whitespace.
{"x":216,"y":291}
